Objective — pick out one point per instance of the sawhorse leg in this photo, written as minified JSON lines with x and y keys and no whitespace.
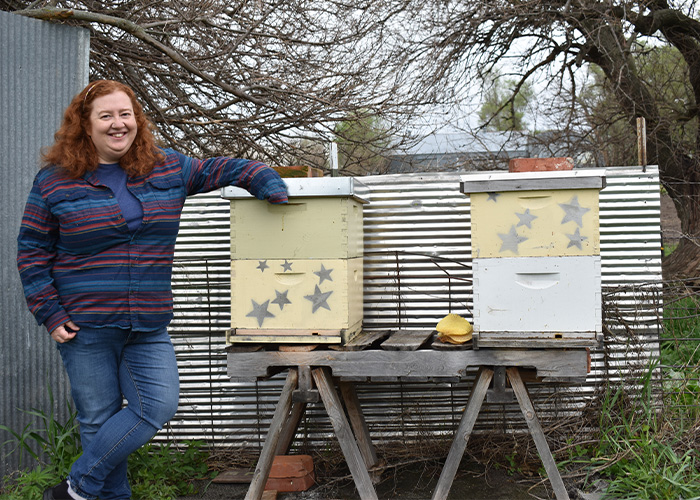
{"x":533,"y":424}
{"x":344,"y":433}
{"x":466,"y":425}
{"x":280,"y":420}
{"x":287,"y":415}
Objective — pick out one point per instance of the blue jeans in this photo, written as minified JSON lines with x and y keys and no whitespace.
{"x":106,"y":366}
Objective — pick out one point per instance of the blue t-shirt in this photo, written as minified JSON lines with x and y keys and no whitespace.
{"x":114,"y":177}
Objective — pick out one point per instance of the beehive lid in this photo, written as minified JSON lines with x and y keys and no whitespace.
{"x":311,"y":187}
{"x":532,"y":181}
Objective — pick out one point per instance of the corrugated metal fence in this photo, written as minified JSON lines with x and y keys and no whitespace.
{"x":42,"y":66}
{"x":417,"y":270}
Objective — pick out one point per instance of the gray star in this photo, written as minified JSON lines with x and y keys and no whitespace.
{"x":324,"y":274}
{"x":493,"y":196}
{"x":573,"y":212}
{"x":526,"y":218}
{"x":260,"y":312}
{"x":511,"y":240}
{"x":262,"y":265}
{"x":576,"y":239}
{"x":287,"y":266}
{"x":281,"y":299}
{"x":318,"y":299}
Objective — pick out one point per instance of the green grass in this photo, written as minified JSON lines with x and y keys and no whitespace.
{"x":646,"y":448}
{"x":156,"y":472}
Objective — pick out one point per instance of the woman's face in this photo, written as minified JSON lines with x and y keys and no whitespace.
{"x":112,"y":126}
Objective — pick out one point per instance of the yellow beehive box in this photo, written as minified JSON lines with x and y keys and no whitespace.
{"x":296,"y":269}
{"x":534,"y":214}
{"x":323,"y":220}
{"x":297,"y":297}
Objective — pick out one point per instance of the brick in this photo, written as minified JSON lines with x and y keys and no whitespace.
{"x":540,"y":164}
{"x":291,"y":473}
{"x":284,"y":466}
{"x":287,"y":484}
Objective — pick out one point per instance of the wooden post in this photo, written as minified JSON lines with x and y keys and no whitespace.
{"x":459,"y":443}
{"x":642,"y":141}
{"x":533,"y":424}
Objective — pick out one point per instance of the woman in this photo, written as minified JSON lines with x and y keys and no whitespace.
{"x":95,"y":254}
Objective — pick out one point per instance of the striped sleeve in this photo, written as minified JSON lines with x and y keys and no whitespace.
{"x":36,"y":251}
{"x":261,"y":181}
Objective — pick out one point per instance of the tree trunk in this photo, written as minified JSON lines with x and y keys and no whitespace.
{"x":684,"y":262}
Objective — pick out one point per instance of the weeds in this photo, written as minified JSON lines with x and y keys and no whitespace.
{"x":645,"y":448}
{"x":156,"y":472}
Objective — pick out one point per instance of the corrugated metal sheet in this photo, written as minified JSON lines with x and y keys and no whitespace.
{"x":42,"y":66}
{"x":417,"y":270}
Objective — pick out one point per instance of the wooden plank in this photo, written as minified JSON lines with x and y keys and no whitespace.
{"x":283,"y":332}
{"x":533,"y":424}
{"x":279,"y":420}
{"x":459,"y":443}
{"x":234,"y":476}
{"x":446,"y":346}
{"x":283,"y":339}
{"x":535,"y":343}
{"x":363,"y":341}
{"x":568,"y":363}
{"x":343,"y":432}
{"x":297,"y":348}
{"x":406,"y":340}
{"x":531,"y":184}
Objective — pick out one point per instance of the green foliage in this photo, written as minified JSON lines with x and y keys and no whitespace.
{"x":502,"y":111}
{"x":682,"y":321}
{"x":156,"y":472}
{"x":164,"y":472}
{"x":639,"y":459}
{"x":54,"y":445}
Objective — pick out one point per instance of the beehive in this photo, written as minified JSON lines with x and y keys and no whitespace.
{"x":536,"y":258}
{"x":296,"y":268}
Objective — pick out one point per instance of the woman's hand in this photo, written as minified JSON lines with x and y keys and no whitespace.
{"x":65,"y":332}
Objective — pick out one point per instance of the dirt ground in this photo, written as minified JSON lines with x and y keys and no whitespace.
{"x":472,"y":482}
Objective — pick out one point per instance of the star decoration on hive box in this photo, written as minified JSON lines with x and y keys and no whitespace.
{"x":573,"y":212}
{"x":526,"y":218}
{"x":318,"y":299}
{"x":511,"y":240}
{"x":324,"y":274}
{"x":281,"y":299}
{"x":260,"y":312}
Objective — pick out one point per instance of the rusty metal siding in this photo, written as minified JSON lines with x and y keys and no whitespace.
{"x":42,"y":66}
{"x":417,"y":269}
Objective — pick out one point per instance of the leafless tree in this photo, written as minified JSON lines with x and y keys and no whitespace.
{"x":552,"y":43}
{"x":245,"y":77}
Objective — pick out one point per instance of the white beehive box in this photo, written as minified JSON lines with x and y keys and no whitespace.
{"x":296,"y":269}
{"x":536,"y":258}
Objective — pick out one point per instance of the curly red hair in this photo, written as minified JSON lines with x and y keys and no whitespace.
{"x":73,"y":149}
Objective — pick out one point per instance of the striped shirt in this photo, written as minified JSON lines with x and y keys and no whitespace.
{"x":79,"y":261}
